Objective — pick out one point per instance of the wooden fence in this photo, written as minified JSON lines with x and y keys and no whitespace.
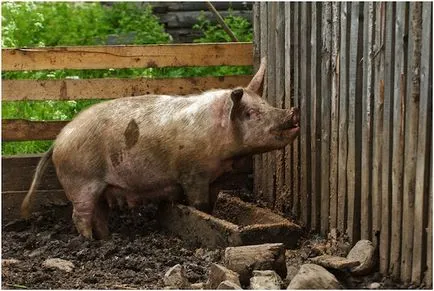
{"x":361,"y":74}
{"x":17,"y":171}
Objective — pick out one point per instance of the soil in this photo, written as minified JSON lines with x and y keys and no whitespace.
{"x":135,"y":257}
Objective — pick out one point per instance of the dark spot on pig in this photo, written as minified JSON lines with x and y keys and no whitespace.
{"x":131,"y":134}
{"x":181,"y":147}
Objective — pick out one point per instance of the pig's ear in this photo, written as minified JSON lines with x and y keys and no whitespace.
{"x":236,"y":96}
{"x":257,"y":83}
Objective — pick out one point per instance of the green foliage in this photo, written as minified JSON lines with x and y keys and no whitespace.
{"x":29,"y":24}
{"x":240,"y":26}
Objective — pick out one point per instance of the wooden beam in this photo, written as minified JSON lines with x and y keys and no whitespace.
{"x":108,"y":88}
{"x":119,"y":56}
{"x":21,"y":129}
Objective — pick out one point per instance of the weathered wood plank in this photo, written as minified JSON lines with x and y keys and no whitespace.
{"x":315,"y":104}
{"x":386,"y":189}
{"x":368,"y":96}
{"x":305,"y":122}
{"x":411,"y":137}
{"x":429,"y":245}
{"x":354,"y":98}
{"x":398,"y":137}
{"x":421,"y":210}
{"x":296,"y":145}
{"x":343,"y":121}
{"x":281,"y":194}
{"x":117,"y":57}
{"x":334,"y":136}
{"x":108,"y":88}
{"x":326,"y":83}
{"x":257,"y":59}
{"x":21,"y":130}
{"x":289,"y":162}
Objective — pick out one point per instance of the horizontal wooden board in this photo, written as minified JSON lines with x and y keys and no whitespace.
{"x":22,"y":130}
{"x":117,"y":57}
{"x":108,"y":88}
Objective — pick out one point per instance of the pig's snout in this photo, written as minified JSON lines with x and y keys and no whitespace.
{"x":292,"y":120}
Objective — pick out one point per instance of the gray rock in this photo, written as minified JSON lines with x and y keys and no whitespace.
{"x":364,"y":252}
{"x":311,"y":276}
{"x":265,"y":280}
{"x":56,"y":263}
{"x":176,"y":277}
{"x":197,"y":286}
{"x":374,"y":285}
{"x":334,"y":262}
{"x":292,"y":271}
{"x":228,"y":285}
{"x":9,"y":262}
{"x":218,"y":274}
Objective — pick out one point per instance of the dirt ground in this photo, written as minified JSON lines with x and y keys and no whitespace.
{"x":136,"y":257}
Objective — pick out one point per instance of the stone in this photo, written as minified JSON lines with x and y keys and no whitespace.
{"x":311,"y":276}
{"x":292,"y":271}
{"x":197,"y":286}
{"x":364,"y":252}
{"x":218,"y":274}
{"x":56,"y":263}
{"x":265,"y":280}
{"x":9,"y":262}
{"x":374,"y":285}
{"x":334,"y":262}
{"x":228,"y":285}
{"x":176,"y":277}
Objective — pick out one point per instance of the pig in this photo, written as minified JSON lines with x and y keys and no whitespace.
{"x":158,"y":147}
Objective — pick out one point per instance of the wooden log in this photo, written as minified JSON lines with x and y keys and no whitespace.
{"x":411,"y":136}
{"x":343,"y":121}
{"x":108,"y":88}
{"x":398,"y":138}
{"x":386,"y":189}
{"x":334,"y":135}
{"x":423,"y":180}
{"x":118,"y":57}
{"x":325,"y":116}
{"x":245,"y":259}
{"x":368,"y":96}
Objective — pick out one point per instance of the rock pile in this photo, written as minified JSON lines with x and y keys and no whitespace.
{"x":262,"y":267}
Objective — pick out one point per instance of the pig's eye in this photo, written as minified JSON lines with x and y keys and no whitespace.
{"x":251,"y":114}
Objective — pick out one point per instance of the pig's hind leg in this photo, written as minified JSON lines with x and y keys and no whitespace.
{"x":101,"y":218}
{"x":85,"y":196}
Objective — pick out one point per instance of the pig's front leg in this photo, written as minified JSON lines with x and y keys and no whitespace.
{"x":196,"y":189}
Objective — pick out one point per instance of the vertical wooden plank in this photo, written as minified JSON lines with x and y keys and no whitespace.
{"x":305,"y":122}
{"x":354,"y":96}
{"x":378,"y":122}
{"x":271,"y":97}
{"x":423,"y":147}
{"x":325,"y":115}
{"x":296,"y":145}
{"x":343,"y":113}
{"x":281,"y":195}
{"x":386,"y":189}
{"x":368,"y":95}
{"x":398,"y":137}
{"x":257,"y":159}
{"x":428,"y":272}
{"x":411,"y":126}
{"x":334,"y":144}
{"x":315,"y":145}
{"x":289,"y":76}
{"x":264,"y":53}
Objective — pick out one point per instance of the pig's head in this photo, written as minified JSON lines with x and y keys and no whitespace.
{"x":258,"y":126}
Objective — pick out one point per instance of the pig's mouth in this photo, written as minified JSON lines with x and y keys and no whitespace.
{"x":288,"y":128}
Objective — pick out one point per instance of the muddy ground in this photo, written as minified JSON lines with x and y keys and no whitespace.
{"x":136,"y":257}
